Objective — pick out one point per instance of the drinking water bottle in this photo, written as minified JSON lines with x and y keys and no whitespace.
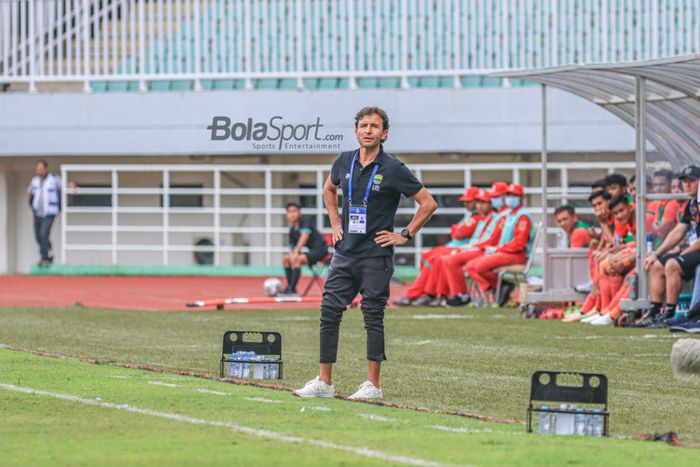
{"x":597,"y":425}
{"x":650,"y":244}
{"x":543,"y":422}
{"x":579,"y":422}
{"x":237,"y":366}
{"x":272,"y":370}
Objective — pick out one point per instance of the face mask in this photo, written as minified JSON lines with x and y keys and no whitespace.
{"x":512,"y":202}
{"x":497,"y":203}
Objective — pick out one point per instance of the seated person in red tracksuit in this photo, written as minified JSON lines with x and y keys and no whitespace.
{"x":494,"y":212}
{"x":424,"y":291}
{"x":513,"y":246}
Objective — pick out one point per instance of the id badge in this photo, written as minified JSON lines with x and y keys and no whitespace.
{"x":357,"y":223}
{"x":692,"y":236}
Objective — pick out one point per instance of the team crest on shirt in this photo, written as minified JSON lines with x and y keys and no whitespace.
{"x":522,"y":225}
{"x":376,"y":181}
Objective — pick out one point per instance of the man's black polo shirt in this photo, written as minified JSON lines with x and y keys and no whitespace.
{"x":392,"y":180}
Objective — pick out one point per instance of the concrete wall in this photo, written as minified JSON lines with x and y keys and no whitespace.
{"x":490,"y":120}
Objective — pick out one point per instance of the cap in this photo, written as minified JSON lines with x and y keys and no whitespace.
{"x":483,"y":195}
{"x":516,"y":189}
{"x":498,"y":189}
{"x":469,"y":194}
{"x":692,"y":171}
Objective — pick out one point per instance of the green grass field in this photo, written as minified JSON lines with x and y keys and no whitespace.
{"x":468,"y":360}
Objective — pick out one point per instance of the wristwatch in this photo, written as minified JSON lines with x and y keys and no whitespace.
{"x":406,"y":234}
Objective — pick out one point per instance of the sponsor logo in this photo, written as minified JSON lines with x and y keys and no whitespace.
{"x":274,"y":134}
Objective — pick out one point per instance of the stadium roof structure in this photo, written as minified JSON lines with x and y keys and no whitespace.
{"x":672,"y":97}
{"x":660,"y":98}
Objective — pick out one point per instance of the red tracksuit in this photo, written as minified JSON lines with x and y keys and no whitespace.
{"x":453,"y":264}
{"x":513,"y":252}
{"x":429,"y":277}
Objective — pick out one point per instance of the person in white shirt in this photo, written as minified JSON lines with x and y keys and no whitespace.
{"x":45,"y":199}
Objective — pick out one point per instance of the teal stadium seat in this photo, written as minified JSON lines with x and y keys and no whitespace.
{"x":218,"y":52}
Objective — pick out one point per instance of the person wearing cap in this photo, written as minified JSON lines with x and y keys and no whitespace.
{"x":487,"y":239}
{"x":668,"y":270}
{"x":372,"y":183}
{"x":514,"y":245}
{"x":453,"y":264}
{"x":425,"y":290}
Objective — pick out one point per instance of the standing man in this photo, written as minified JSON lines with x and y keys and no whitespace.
{"x":45,"y":200}
{"x":372,"y":182}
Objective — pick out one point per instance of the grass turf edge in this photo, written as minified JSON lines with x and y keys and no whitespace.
{"x":207,"y":376}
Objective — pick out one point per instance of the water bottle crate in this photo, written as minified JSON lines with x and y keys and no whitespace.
{"x":590,"y":389}
{"x":252,"y":354}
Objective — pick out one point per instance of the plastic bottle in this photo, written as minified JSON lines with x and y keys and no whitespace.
{"x":247,"y":357}
{"x":272,"y":370}
{"x":579,"y":422}
{"x":237,"y":364}
{"x":561,"y":239}
{"x":231,"y":365}
{"x":650,"y":244}
{"x":544,"y":422}
{"x":564,"y":424}
{"x":266,"y":371}
{"x":617,"y":240}
{"x":597,"y":425}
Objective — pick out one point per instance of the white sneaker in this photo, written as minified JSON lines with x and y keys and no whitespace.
{"x":591,"y":318}
{"x":603,"y":320}
{"x":316,"y":388}
{"x":367,"y":390}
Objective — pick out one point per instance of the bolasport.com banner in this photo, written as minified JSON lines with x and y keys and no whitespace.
{"x":275,"y":134}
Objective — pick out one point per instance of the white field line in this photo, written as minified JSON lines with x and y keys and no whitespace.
{"x":262,"y":399}
{"x":366,"y":452}
{"x":319,"y":408}
{"x":436,"y":316}
{"x":376,"y":418}
{"x":461,"y":430}
{"x":161,"y":383}
{"x":209,"y":391}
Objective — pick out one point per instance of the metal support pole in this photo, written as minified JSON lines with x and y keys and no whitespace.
{"x":640,"y":118}
{"x":641,"y":174}
{"x":543,"y":174}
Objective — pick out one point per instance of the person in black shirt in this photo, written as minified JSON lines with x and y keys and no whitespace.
{"x":372,"y":182}
{"x":306,"y":246}
{"x":667,"y":271}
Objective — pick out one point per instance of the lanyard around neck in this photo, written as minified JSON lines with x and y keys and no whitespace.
{"x":369,"y":184}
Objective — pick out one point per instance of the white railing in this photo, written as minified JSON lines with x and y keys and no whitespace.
{"x":140,"y":41}
{"x":253,"y":198}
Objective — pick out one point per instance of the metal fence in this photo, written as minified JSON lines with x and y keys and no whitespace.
{"x":137,"y":42}
{"x":127,"y":212}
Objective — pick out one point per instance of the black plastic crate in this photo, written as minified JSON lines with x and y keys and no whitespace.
{"x":264,"y":343}
{"x":593,"y":392}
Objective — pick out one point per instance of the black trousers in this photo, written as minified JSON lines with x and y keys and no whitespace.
{"x":347,"y":276}
{"x":42,"y":233}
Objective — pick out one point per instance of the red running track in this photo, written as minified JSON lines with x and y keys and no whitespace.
{"x":140,"y":293}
